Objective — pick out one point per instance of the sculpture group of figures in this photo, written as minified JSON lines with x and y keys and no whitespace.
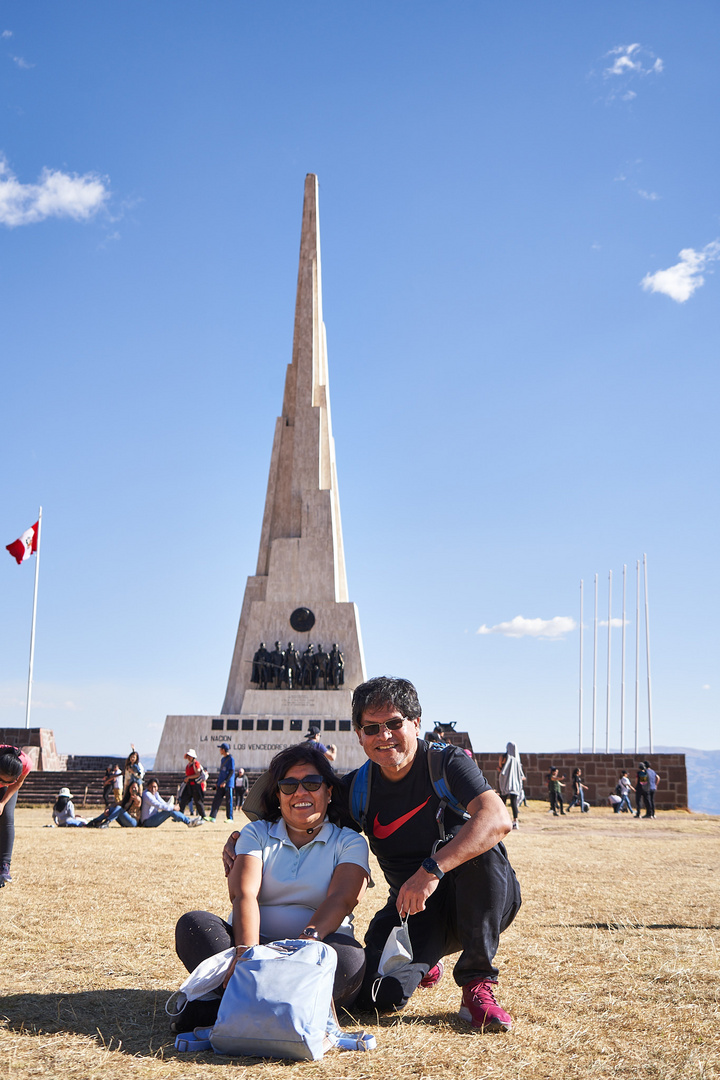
{"x":289,"y":668}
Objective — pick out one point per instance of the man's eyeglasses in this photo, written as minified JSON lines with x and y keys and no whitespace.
{"x":391,"y":725}
{"x":309,"y":783}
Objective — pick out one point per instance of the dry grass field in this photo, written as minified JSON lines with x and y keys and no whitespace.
{"x":612,"y":968}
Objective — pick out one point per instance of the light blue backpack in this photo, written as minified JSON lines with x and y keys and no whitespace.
{"x":278,"y":1003}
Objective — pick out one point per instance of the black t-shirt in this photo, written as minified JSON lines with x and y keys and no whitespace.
{"x":401,"y":825}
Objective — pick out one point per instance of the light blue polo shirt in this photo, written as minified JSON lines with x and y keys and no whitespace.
{"x":295,"y":881}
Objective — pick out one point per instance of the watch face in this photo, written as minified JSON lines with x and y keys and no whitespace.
{"x":302,"y":620}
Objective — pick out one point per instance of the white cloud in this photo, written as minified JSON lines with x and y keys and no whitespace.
{"x":652,"y":196}
{"x":680,"y":281}
{"x":628,"y":64}
{"x":615,"y":623}
{"x":538,"y":628}
{"x":23,"y":63}
{"x":57,"y":194}
{"x":706,"y":686}
{"x":6,"y":34}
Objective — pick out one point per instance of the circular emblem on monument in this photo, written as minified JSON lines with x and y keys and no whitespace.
{"x":302,"y":620}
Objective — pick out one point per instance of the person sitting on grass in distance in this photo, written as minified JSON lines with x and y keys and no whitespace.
{"x":155,"y":811}
{"x":460,"y":895}
{"x":64,"y":810}
{"x":127,"y":813}
{"x":296,"y":873}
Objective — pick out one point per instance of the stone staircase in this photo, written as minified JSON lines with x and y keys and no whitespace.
{"x":41,"y":788}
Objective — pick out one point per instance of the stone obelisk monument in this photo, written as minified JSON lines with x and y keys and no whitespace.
{"x":298,"y":652}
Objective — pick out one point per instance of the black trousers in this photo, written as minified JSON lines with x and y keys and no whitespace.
{"x":513,"y":804}
{"x":468,"y":911}
{"x":226,"y":794}
{"x":556,"y":802}
{"x":641,"y":799}
{"x":200,"y":934}
{"x":195,"y":792}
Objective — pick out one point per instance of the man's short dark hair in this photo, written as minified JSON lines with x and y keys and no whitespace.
{"x":381,"y":692}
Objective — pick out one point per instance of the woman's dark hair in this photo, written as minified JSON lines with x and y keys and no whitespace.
{"x":10,"y":763}
{"x":128,"y":762}
{"x":61,"y":803}
{"x":576,"y":772}
{"x":126,"y":797}
{"x":301,"y":754}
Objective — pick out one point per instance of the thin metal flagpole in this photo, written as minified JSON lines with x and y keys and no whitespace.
{"x":622,"y":670}
{"x":594,"y":709}
{"x":607,"y":706}
{"x":637,"y":657}
{"x":34,"y":613}
{"x":580,"y":691}
{"x":647,"y":654}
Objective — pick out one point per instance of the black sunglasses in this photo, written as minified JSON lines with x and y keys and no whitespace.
{"x":309,"y":783}
{"x":391,"y":725}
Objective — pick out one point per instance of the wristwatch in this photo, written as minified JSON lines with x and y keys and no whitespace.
{"x":432,"y":868}
{"x":310,"y":931}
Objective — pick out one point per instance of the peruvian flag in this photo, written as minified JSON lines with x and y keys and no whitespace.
{"x":26,"y":546}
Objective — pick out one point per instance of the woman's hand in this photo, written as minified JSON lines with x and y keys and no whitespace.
{"x":239,"y":952}
{"x":228,"y":852}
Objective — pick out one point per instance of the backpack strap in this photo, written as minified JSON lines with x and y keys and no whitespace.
{"x":437,"y":760}
{"x":360,"y":793}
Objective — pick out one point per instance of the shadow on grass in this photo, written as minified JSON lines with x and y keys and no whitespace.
{"x":639,"y":926}
{"x":132,"y":1021}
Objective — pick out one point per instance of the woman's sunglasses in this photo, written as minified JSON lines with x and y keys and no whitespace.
{"x":309,"y":783}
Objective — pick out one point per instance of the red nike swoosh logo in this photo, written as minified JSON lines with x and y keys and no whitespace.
{"x":383,"y":831}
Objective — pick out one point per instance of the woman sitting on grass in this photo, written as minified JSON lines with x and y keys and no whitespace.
{"x":64,"y":810}
{"x":296,"y":875}
{"x":127,"y":813}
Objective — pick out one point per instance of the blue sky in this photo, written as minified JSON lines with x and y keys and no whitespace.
{"x":523,"y":365}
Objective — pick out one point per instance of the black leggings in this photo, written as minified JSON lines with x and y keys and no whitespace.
{"x":200,"y":934}
{"x":7,"y":828}
{"x":513,"y":804}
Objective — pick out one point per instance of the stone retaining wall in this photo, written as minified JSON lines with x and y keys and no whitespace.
{"x":601,"y":773}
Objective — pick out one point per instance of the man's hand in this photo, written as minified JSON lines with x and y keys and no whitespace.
{"x":228,"y":852}
{"x":415,"y":892}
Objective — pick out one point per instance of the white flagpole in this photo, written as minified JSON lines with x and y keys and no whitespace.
{"x":622,"y":666}
{"x":607,"y":707}
{"x":647,"y":653}
{"x":34,"y":613}
{"x":637,"y":658}
{"x":594,"y":711}
{"x":580,"y":696}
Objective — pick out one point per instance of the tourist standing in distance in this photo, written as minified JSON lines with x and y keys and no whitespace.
{"x":653,"y":779}
{"x":510,"y":779}
{"x":555,"y":787}
{"x":224,"y":784}
{"x":642,"y":790}
{"x":14,"y":767}
{"x":623,"y":789}
{"x":578,"y":792}
{"x":241,"y":788}
{"x":194,"y":785}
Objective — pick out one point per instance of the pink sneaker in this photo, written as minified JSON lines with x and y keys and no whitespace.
{"x":433,"y":976}
{"x":480,"y":1008}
